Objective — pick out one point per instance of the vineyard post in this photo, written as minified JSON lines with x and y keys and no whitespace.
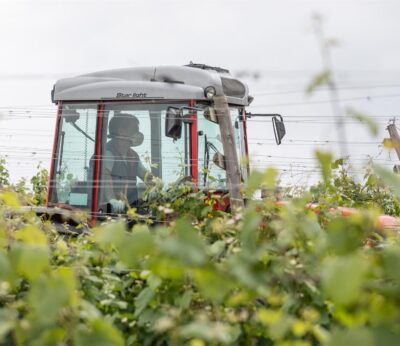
{"x":230,"y":153}
{"x":395,"y":138}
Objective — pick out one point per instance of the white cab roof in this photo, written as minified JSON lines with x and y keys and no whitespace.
{"x":151,"y":83}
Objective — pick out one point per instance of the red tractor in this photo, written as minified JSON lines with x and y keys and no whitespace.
{"x":117,"y":130}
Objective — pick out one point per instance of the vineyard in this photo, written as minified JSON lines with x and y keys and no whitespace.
{"x":268,"y":275}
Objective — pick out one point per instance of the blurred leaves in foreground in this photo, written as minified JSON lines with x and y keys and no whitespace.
{"x":274,"y":274}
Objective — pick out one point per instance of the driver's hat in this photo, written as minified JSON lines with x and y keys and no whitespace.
{"x":125,"y":126}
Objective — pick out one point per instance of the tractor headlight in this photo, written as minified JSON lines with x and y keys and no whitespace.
{"x":209,"y":92}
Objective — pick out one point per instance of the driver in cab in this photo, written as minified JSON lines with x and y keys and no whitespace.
{"x":122,"y":165}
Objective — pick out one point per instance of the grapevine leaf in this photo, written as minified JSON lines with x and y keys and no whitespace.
{"x":187,"y":245}
{"x":143,"y":300}
{"x":99,"y":333}
{"x":343,"y":278}
{"x":364,"y":119}
{"x":213,"y":285}
{"x":325,"y":161}
{"x":320,"y":79}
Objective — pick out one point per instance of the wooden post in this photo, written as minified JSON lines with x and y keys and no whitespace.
{"x":230,"y":153}
{"x":395,"y":138}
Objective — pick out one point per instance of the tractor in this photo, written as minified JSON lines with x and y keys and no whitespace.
{"x":176,"y":123}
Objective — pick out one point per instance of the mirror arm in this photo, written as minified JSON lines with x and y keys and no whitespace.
{"x":250,"y":115}
{"x":191,"y":108}
{"x":187,"y":118}
{"x":274,"y":117}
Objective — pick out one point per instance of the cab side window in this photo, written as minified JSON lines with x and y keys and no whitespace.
{"x":76,"y":147}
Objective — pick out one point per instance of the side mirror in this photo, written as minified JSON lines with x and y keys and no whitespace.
{"x":219,"y":160}
{"x":173,"y":123}
{"x":277,"y":122}
{"x":279,"y":129}
{"x":210,"y":114}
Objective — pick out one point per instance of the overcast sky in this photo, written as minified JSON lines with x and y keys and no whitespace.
{"x":41,"y":41}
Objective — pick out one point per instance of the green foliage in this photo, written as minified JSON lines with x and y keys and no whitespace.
{"x":4,"y":174}
{"x":379,"y":189}
{"x":320,"y":79}
{"x":35,"y":196}
{"x":270,"y":275}
{"x":39,"y":185}
{"x":343,"y":278}
{"x":325,"y":161}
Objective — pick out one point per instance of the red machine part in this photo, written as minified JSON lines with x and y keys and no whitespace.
{"x":49,"y":187}
{"x":194,"y":145}
{"x":383,"y":222}
{"x":97,"y":164}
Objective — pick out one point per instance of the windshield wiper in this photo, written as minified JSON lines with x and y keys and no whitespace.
{"x":207,"y":146}
{"x":206,"y":159}
{"x":81,"y":131}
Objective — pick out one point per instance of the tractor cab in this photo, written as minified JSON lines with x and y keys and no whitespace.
{"x":117,"y":130}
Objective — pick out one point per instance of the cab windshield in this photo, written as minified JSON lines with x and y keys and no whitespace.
{"x":93,"y":169}
{"x":133,"y":148}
